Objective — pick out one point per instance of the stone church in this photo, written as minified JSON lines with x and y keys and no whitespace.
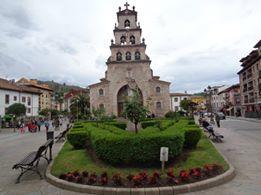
{"x":128,"y":67}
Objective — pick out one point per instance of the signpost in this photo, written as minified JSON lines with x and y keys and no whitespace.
{"x":164,"y":156}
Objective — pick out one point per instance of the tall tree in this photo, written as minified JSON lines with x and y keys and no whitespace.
{"x":134,"y":110}
{"x":17,"y":109}
{"x":188,"y":105}
{"x":80,"y":105}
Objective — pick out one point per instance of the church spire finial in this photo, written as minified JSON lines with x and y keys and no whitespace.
{"x":126,"y":5}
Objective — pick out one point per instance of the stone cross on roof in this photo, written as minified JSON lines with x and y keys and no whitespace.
{"x":126,"y":5}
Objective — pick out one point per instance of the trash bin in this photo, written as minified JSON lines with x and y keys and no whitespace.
{"x":49,"y":135}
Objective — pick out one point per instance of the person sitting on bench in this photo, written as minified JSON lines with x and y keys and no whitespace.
{"x":206,"y":125}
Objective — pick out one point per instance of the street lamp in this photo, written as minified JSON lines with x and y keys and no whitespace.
{"x":77,"y":110}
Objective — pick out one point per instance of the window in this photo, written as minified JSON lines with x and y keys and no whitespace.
{"x":101,"y":92}
{"x":158,"y":105}
{"x":15,"y":98}
{"x":119,"y":56}
{"x":123,"y":40}
{"x":157,"y":89}
{"x":128,"y":55}
{"x":175,"y":99}
{"x":137,"y":55}
{"x":127,"y":24}
{"x":176,"y":108}
{"x":23,"y":99}
{"x":28,"y":110}
{"x":185,"y":98}
{"x":7,"y":100}
{"x":132,"y":39}
{"x":101,"y":106}
{"x":28,"y":101}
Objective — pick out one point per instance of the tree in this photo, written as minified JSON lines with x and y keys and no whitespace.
{"x":45,"y":112}
{"x":99,"y":114}
{"x":134,"y":110}
{"x":59,"y":98}
{"x":16,"y":109}
{"x":80,"y":105}
{"x":188,"y":105}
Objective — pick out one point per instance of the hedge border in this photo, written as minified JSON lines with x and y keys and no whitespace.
{"x":197,"y":186}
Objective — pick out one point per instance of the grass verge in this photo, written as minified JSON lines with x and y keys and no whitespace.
{"x":69,"y":160}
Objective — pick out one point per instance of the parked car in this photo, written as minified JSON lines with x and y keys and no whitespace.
{"x":221,"y":115}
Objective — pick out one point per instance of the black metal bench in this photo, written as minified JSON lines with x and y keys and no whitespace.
{"x":31,"y":161}
{"x":216,"y":137}
{"x":62,"y":135}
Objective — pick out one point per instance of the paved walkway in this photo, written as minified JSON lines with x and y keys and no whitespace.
{"x":242,"y":147}
{"x":13,"y":147}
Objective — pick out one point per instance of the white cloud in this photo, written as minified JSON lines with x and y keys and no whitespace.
{"x":191,"y":43}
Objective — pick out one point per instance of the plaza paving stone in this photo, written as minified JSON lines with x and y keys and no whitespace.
{"x":241,"y":146}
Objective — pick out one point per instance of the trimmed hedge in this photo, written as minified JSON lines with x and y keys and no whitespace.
{"x":78,"y":139}
{"x":191,"y":122}
{"x":146,"y":124}
{"x":192,"y":137}
{"x":145,"y":148}
{"x":120,"y":125}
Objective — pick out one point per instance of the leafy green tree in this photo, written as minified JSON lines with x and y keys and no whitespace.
{"x":188,"y":105}
{"x":59,"y":98}
{"x":134,"y":110}
{"x":45,"y":112}
{"x":16,"y":109}
{"x":99,"y":114}
{"x":80,"y":105}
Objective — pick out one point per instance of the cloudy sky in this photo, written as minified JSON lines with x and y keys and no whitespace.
{"x":191,"y":43}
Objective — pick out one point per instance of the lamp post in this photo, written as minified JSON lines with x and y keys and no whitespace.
{"x":208,"y":93}
{"x":77,"y":110}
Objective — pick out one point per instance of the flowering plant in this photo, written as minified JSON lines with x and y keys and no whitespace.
{"x":117,"y":179}
{"x":104,"y":178}
{"x":92,"y":179}
{"x":184,"y":175}
{"x":137,"y":180}
{"x":195,"y":173}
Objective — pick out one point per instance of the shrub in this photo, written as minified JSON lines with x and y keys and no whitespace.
{"x":171,"y":115}
{"x":78,"y":139}
{"x":119,"y":125}
{"x":191,"y":122}
{"x":125,"y":149}
{"x":192,"y":137}
{"x":117,"y":179}
{"x":146,"y":124}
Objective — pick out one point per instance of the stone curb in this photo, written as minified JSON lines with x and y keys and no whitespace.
{"x":168,"y":190}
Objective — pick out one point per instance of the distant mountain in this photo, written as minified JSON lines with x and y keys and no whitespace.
{"x":199,"y":94}
{"x":58,"y":87}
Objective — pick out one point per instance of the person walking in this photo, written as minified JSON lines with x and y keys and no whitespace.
{"x":217,"y":119}
{"x":46,"y":124}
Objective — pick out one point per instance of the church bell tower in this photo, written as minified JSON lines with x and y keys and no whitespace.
{"x":128,"y":67}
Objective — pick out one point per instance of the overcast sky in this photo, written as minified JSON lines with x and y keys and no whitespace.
{"x":192,"y":43}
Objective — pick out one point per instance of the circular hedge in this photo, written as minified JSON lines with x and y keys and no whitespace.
{"x":116,"y":146}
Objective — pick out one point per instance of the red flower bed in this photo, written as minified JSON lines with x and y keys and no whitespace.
{"x":143,"y":179}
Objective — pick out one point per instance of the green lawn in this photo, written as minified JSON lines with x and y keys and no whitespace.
{"x":69,"y":159}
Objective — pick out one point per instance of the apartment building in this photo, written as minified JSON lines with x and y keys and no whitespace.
{"x":250,"y":83}
{"x":232,"y":100}
{"x":176,"y":98}
{"x":11,"y":93}
{"x":45,"y":100}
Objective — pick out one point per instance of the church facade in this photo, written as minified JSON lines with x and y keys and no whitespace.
{"x":128,"y":67}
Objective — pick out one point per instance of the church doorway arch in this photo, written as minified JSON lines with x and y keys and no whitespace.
{"x":123,"y":95}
